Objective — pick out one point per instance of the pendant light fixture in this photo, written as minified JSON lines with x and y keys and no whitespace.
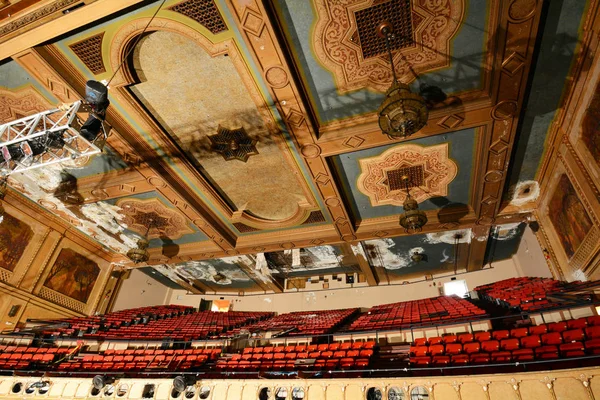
{"x":413,"y":219}
{"x":140,"y":253}
{"x":403,"y":112}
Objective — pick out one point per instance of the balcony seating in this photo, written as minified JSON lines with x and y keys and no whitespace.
{"x":424,"y":312}
{"x":504,"y":346}
{"x":528,"y":294}
{"x":346,"y":355}
{"x":157,"y":323}
{"x":307,"y":323}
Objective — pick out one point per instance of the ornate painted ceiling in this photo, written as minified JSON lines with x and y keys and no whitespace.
{"x":245,"y":137}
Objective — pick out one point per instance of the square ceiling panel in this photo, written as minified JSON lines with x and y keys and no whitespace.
{"x":440,"y":168}
{"x":340,"y":58}
{"x":312,"y":261}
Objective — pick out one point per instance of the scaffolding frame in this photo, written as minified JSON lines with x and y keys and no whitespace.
{"x":65,"y":120}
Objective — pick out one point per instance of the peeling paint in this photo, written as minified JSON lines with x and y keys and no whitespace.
{"x":101,"y":220}
{"x":507,"y":231}
{"x":446,"y":257}
{"x":383,"y":257}
{"x":202,"y":270}
{"x":524,"y":192}
{"x":448,"y":237}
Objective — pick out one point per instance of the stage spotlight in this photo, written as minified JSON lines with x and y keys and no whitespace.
{"x":96,"y":97}
{"x":99,"y":381}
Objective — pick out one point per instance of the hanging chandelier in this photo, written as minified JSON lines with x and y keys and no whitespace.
{"x":140,"y":253}
{"x":403,"y":112}
{"x":413,"y":219}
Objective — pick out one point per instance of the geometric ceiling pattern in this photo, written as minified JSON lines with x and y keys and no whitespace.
{"x":316,"y":184}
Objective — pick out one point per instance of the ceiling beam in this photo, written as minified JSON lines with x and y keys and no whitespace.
{"x":263,"y":280}
{"x":365,"y":267}
{"x":27,"y":37}
{"x":479,"y":241}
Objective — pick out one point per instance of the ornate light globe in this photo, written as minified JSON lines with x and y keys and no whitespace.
{"x":413,"y":219}
{"x":403,"y":112}
{"x":140,"y":253}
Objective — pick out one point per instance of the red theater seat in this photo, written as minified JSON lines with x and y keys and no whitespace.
{"x":538,"y":330}
{"x":465,"y":338}
{"x":522,"y":355}
{"x":420,"y":361}
{"x":421,"y":342}
{"x":593,"y":320}
{"x":448,"y":339}
{"x":592,"y":332}
{"x":575,"y":335}
{"x":557,"y":327}
{"x":480,"y":358}
{"x":519,"y":332}
{"x":575,"y":349}
{"x":509,"y":344}
{"x":460,"y":359}
{"x":453,"y":348}
{"x":440,"y":361}
{"x":490,"y":346}
{"x":501,"y":356}
{"x":546,"y":352}
{"x":482,"y":336}
{"x":500,"y":335}
{"x":472,"y":348}
{"x":593,"y":346}
{"x":530,"y":342}
{"x":419,"y":351}
{"x":435,"y":340}
{"x":436,"y":350}
{"x":579,"y":323}
{"x":551,"y":338}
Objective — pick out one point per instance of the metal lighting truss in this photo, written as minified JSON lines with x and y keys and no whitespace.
{"x":64,"y":120}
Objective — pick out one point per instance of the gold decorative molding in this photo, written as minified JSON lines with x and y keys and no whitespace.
{"x":339,"y":46}
{"x":429,"y":168}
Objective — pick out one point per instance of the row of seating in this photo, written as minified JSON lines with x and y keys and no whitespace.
{"x":335,"y":346}
{"x":548,"y":341}
{"x":304,"y":323}
{"x":417,"y":312}
{"x":528,"y":293}
{"x":315,"y":360}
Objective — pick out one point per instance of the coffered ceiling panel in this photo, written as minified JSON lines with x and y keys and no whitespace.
{"x":441,"y":174}
{"x":343,"y":63}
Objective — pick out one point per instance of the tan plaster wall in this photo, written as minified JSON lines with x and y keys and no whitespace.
{"x":529,"y":258}
{"x":140,"y":290}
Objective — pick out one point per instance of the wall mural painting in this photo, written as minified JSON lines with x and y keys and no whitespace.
{"x":590,"y":129}
{"x":568,"y":215}
{"x":73,"y":275}
{"x":14,"y":237}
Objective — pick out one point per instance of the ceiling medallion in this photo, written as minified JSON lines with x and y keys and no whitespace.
{"x":233,"y":144}
{"x":402,"y":113}
{"x":413,"y":219}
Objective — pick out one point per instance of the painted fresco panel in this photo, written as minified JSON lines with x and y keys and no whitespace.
{"x":590,"y":129}
{"x":568,"y":215}
{"x":73,"y":275}
{"x":14,"y":237}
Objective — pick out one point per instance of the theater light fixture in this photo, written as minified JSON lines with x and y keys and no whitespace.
{"x":140,"y":253}
{"x":99,"y":381}
{"x":402,"y":112}
{"x":413,"y":219}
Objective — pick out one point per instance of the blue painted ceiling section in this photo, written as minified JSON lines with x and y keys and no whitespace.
{"x":561,"y":37}
{"x":461,"y":151}
{"x":464,"y":74}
